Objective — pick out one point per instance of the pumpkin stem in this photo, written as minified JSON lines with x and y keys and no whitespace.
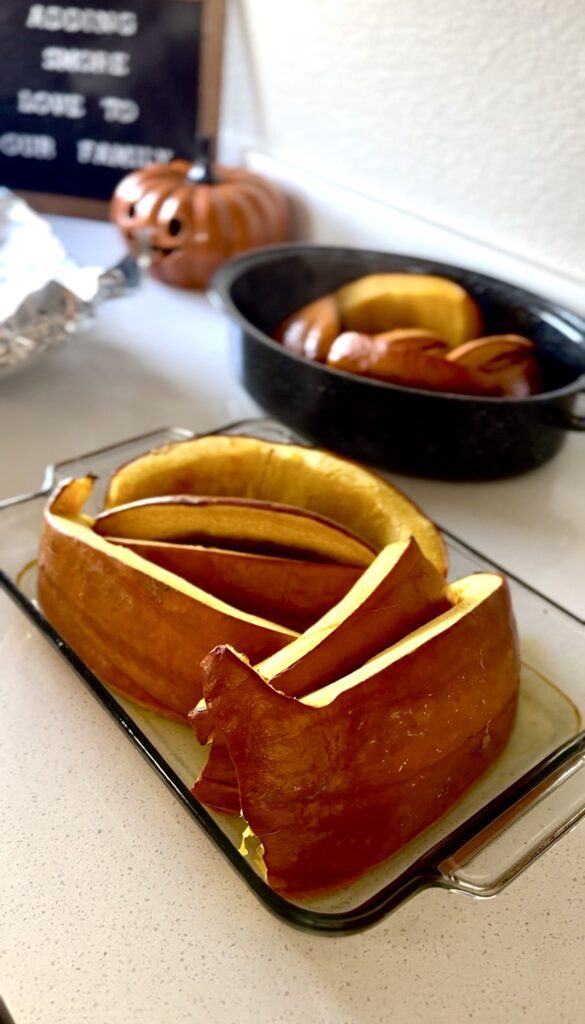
{"x":201,"y":170}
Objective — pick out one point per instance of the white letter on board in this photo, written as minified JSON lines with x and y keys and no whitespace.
{"x":120,"y":110}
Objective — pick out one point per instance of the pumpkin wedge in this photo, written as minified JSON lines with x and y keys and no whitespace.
{"x":356,"y":498}
{"x":380,"y":302}
{"x":420,"y":363}
{"x":337,"y":781}
{"x":506,"y":363}
{"x":241,"y":523}
{"x":400,"y":591}
{"x":294,"y":592}
{"x":383,"y":356}
{"x":311,"y":330}
{"x":139,"y":628}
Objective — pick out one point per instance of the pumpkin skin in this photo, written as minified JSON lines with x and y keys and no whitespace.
{"x":195,"y":224}
{"x":143,"y":631}
{"x":291,"y":591}
{"x":336,"y":782}
{"x":395,"y":596}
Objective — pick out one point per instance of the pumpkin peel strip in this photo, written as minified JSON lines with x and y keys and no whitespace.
{"x":154,"y":626}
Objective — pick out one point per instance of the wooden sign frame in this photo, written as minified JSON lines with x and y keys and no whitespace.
{"x":208,"y":89}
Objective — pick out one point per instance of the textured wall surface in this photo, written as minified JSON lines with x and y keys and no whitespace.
{"x":470,"y":114}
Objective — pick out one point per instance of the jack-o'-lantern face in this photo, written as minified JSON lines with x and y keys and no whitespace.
{"x":192,"y":219}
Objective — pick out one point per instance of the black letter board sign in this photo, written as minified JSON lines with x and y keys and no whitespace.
{"x":90,"y":90}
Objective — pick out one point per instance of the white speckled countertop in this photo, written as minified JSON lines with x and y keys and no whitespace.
{"x":115,"y":907}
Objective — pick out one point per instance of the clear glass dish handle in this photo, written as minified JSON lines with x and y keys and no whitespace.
{"x":498,"y":853}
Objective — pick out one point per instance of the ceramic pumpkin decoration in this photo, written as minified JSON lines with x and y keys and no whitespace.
{"x":197,"y":214}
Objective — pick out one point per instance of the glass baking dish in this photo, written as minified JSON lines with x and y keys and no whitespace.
{"x":530,"y":797}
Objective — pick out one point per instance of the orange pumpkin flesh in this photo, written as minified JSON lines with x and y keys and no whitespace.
{"x":195,"y":223}
{"x":356,"y":498}
{"x":135,"y":625}
{"x":244,"y":523}
{"x":400,"y":591}
{"x":336,"y":782}
{"x":379,"y":302}
{"x":294,"y":592}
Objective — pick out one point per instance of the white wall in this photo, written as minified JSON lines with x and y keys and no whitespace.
{"x":470,"y":113}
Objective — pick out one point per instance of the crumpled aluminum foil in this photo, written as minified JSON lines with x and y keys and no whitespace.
{"x":44,"y":295}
